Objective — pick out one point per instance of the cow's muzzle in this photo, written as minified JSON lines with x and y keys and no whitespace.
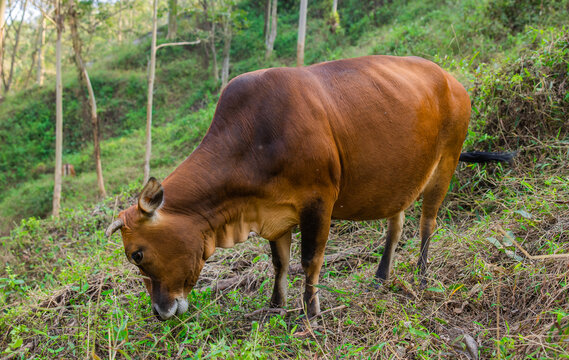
{"x":178,"y":307}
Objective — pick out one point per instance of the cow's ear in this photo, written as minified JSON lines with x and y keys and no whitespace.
{"x":151,"y":197}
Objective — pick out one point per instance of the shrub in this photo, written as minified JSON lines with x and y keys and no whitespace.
{"x":525,"y":99}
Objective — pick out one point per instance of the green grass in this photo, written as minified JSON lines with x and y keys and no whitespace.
{"x":67,"y":282}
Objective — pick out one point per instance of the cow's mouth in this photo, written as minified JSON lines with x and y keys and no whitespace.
{"x":178,"y":307}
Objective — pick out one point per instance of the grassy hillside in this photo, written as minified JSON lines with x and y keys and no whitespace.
{"x":68,"y":292}
{"x":469,"y":38}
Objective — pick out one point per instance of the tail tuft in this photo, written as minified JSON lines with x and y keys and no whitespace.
{"x":484,"y":157}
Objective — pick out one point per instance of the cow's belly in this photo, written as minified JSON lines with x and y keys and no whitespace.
{"x":382,"y":189}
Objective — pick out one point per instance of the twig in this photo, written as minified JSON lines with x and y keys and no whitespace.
{"x":334,"y":258}
{"x":233,"y":281}
{"x":280,"y":311}
{"x":293,"y":269}
{"x":115,"y":207}
{"x":179,"y":43}
{"x":340,"y":307}
{"x":498,"y":319}
{"x":531,"y":257}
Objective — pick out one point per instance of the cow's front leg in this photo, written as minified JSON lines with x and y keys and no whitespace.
{"x":280,"y":249}
{"x":314,"y":226}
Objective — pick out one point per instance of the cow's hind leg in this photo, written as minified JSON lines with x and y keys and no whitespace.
{"x":394,"y":229}
{"x":280,"y":250}
{"x":314,"y":226}
{"x":433,"y":196}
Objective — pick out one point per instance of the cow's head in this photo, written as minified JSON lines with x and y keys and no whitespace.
{"x":165,"y":246}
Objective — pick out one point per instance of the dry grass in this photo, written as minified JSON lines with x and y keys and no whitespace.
{"x":484,"y":297}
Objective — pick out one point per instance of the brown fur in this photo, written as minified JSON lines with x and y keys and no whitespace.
{"x":351,"y":139}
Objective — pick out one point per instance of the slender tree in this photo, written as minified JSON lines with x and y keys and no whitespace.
{"x":268,"y":5}
{"x":119,"y":24}
{"x":58,"y":112}
{"x":152,"y":68}
{"x":172,"y":19}
{"x":2,"y":11}
{"x":271,"y":34}
{"x":334,"y":21}
{"x":41,"y":40}
{"x":86,"y":82}
{"x":212,"y":42}
{"x":227,"y":35}
{"x":8,"y":80}
{"x":301,"y":33}
{"x":151,"y":75}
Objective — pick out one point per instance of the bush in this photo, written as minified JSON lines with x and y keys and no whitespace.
{"x":526,"y":98}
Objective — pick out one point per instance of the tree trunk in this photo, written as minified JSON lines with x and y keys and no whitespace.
{"x":301,"y":33}
{"x":266,"y":28}
{"x":86,"y":82}
{"x":172,"y":19}
{"x":119,"y":25}
{"x":32,"y":66}
{"x":2,"y":11}
{"x":152,"y":68}
{"x":334,"y":20}
{"x":8,"y":82}
{"x":214,"y":53}
{"x":58,"y":112}
{"x":226,"y":47}
{"x":272,"y":34}
{"x":215,"y":67}
{"x":41,"y":40}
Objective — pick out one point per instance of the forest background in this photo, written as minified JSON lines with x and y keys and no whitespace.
{"x":498,"y":285}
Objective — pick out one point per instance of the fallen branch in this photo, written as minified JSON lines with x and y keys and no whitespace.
{"x":340,"y":307}
{"x":294,"y":269}
{"x":531,"y":257}
{"x":336,"y":258}
{"x":280,"y":311}
{"x":179,"y":43}
{"x":234,"y":281}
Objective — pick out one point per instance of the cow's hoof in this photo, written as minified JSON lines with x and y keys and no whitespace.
{"x":376,"y":284}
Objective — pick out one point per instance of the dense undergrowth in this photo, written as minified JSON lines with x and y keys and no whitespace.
{"x":66,"y":291}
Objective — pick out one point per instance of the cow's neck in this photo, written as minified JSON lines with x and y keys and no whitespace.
{"x":229,"y":204}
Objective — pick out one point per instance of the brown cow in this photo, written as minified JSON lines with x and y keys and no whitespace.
{"x":354,"y":139}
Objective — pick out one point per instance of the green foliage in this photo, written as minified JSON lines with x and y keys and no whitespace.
{"x":27,"y":130}
{"x":511,"y":16}
{"x":525,"y":98}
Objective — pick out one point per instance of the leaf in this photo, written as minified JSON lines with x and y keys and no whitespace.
{"x":523,"y":213}
{"x":419,"y":333}
{"x":495,"y":242}
{"x":434,"y":289}
{"x":507,"y":241}
{"x":513,"y":255}
{"x":16,"y":344}
{"x":505,"y":244}
{"x":331,"y":289}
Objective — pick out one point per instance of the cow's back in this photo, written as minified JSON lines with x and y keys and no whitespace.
{"x":371,"y":130}
{"x":392,"y":119}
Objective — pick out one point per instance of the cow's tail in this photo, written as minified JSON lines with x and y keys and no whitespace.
{"x":484,"y":157}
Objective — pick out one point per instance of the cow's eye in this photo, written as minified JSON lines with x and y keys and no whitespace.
{"x":137,"y":256}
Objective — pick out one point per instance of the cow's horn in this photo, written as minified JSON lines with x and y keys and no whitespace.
{"x":117,"y":224}
{"x":151,"y":197}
